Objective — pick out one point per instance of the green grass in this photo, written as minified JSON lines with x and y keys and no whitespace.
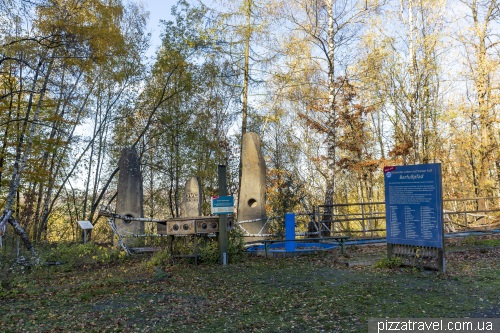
{"x":488,"y":242}
{"x":472,"y":242}
{"x":302,"y":294}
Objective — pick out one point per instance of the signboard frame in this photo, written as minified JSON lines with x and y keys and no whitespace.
{"x":222,"y":205}
{"x":418,"y":180}
{"x":85,"y":225}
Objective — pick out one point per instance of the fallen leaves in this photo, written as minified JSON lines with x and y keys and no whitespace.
{"x":303,"y":294}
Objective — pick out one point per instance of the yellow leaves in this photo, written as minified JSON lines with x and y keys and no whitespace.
{"x":313,"y":124}
{"x":91,"y":25}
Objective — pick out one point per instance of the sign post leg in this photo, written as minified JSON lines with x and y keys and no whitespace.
{"x":223,"y":241}
{"x":441,"y":261}
{"x":290,"y":232}
{"x":84,"y":236}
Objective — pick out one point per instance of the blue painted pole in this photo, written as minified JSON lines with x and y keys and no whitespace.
{"x":290,"y":232}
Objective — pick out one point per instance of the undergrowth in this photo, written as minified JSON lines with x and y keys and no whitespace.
{"x":160,"y":259}
{"x":389,"y":263}
{"x":209,"y":250}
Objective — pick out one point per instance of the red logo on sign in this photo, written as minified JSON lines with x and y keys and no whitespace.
{"x":389,"y":168}
{"x":216,"y":197}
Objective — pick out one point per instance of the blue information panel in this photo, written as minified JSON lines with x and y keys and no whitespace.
{"x":222,"y":205}
{"x":414,"y":205}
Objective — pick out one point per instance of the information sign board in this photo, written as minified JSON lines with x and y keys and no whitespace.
{"x":85,"y":225}
{"x":414,"y":205}
{"x":222,"y":205}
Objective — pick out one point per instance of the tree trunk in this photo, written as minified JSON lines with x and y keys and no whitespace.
{"x":484,"y":147}
{"x":18,"y":164}
{"x":98,"y":168}
{"x":28,"y":211}
{"x":483,"y":87}
{"x":332,"y":117}
{"x":380,"y":129}
{"x":47,"y":199}
{"x":246,"y":77}
{"x":246,"y":70}
{"x":89,"y":171}
{"x":24,"y":237}
{"x":6,"y":135}
{"x":415,"y":114}
{"x":177,"y":170}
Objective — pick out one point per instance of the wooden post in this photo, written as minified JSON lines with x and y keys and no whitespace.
{"x":171,"y":246}
{"x":389,"y":251}
{"x":335,"y":212}
{"x":223,"y":241}
{"x":314,"y":221}
{"x":488,"y":213}
{"x":195,"y":252}
{"x":162,"y":241}
{"x":440,"y":260}
{"x":363,"y":218}
{"x":347,"y":214}
{"x":465,"y":214}
{"x":311,"y":219}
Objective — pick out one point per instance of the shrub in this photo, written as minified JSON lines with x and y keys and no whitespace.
{"x":470,"y":240}
{"x":75,"y":254}
{"x":160,"y":259}
{"x":209,"y":251}
{"x":389,"y":263}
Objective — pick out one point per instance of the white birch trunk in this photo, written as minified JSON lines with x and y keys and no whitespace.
{"x":330,"y":185}
{"x":415,"y":116}
{"x":19,"y":168}
{"x":16,"y":174}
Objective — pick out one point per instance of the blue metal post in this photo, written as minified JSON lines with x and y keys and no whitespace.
{"x":290,"y":232}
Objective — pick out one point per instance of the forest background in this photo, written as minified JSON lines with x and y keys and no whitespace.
{"x":336,"y":89}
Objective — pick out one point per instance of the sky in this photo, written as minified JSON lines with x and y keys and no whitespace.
{"x":158,"y":10}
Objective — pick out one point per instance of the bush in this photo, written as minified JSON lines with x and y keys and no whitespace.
{"x":470,"y":240}
{"x":160,"y":259}
{"x":389,"y":263}
{"x":209,"y":251}
{"x":74,"y":254}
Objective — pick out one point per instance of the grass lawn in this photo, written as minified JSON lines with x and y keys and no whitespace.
{"x":301,"y":294}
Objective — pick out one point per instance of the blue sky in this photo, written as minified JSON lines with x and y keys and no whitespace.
{"x":158,"y":10}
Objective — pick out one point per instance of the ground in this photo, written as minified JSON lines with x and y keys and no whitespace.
{"x":302,"y":294}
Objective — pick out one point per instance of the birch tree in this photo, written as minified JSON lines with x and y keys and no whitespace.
{"x":331,"y":27}
{"x":481,"y":60}
{"x":56,"y":35}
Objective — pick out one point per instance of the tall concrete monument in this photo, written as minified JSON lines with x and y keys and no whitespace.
{"x":129,"y":199}
{"x":252,"y":200}
{"x":191,"y":199}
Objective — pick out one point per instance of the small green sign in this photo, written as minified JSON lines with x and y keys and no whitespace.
{"x":222,"y":205}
